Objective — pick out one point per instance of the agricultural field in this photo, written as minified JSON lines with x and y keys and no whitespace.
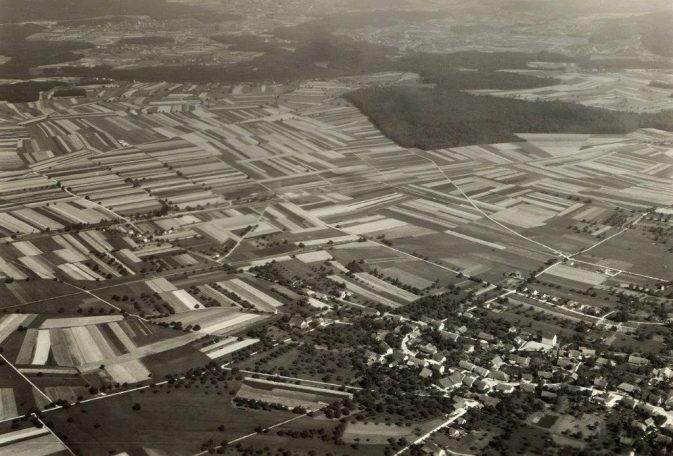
{"x":635,"y":90}
{"x":193,"y":417}
{"x":288,"y":395}
{"x":35,"y":441}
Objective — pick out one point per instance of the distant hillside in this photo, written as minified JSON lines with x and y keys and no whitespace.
{"x":657,"y":34}
{"x":60,"y":10}
{"x":327,"y":57}
{"x":333,"y":22}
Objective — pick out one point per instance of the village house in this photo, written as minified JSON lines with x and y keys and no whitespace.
{"x":638,"y":360}
{"x":600,"y":382}
{"x":428,"y":349}
{"x":385,"y":349}
{"x":546,"y":375}
{"x":370,"y":357}
{"x":439,"y":358}
{"x":482,"y":371}
{"x":418,"y":362}
{"x":499,"y":375}
{"x":522,"y":361}
{"x":399,"y":356}
{"x":548,"y":395}
{"x":437,"y":324}
{"x":452,"y":381}
{"x":467,"y":365}
{"x":485,"y":336}
{"x":469,"y":380}
{"x":481,"y":386}
{"x":504,"y":388}
{"x":454,"y":433}
{"x":299,"y":322}
{"x":425,"y":373}
{"x":432,"y":449}
{"x":496,"y":362}
{"x":447,"y":335}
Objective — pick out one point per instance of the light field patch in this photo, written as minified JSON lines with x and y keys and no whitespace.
{"x":371,"y":227}
{"x":313,"y":257}
{"x":524,"y":216}
{"x":584,"y":276}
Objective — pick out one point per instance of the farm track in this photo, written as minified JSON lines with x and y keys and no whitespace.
{"x":252,"y":434}
{"x":482,"y":212}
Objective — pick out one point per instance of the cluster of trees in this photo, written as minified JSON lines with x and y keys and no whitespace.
{"x":234,"y":297}
{"x":438,"y":306}
{"x":23,"y":92}
{"x":395,"y":392}
{"x":146,"y":40}
{"x":447,"y":117}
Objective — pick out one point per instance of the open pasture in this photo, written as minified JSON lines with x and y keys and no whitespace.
{"x":282,"y":438}
{"x":172,"y":420}
{"x":578,"y":274}
{"x":374,"y":433}
{"x":632,"y":252}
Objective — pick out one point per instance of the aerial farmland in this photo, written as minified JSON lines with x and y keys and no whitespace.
{"x":267,"y":267}
{"x":136,"y":254}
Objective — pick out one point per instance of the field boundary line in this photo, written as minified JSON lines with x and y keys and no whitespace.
{"x":54,"y":434}
{"x":421,"y":439}
{"x":247,"y":436}
{"x":25,"y":378}
{"x":242,"y":238}
{"x":475,"y":206}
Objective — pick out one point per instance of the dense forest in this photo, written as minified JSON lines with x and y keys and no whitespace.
{"x":22,"y":92}
{"x":446,"y":116}
{"x":69,"y":92}
{"x":442,"y":117}
{"x":147,"y":40}
{"x":25,"y":54}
